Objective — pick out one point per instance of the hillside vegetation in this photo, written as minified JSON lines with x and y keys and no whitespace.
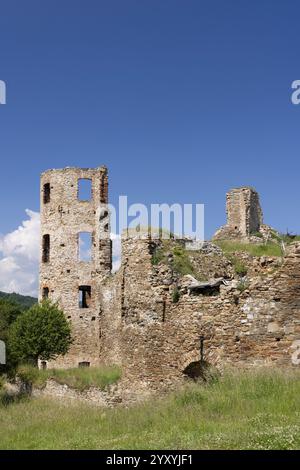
{"x":245,"y":410}
{"x":25,"y":301}
{"x":79,"y":378}
{"x":267,"y":249}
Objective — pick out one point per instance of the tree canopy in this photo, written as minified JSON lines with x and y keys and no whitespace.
{"x":42,"y":332}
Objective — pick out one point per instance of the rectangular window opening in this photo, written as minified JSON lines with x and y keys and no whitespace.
{"x":84,"y":364}
{"x":85,"y":246}
{"x":46,"y":248}
{"x":45,"y":293}
{"x":47,"y":193}
{"x":84,"y":189}
{"x":84,"y":296}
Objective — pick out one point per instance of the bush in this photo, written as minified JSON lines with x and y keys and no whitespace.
{"x":240,"y":268}
{"x":42,"y":332}
{"x":29,"y":374}
{"x":181,"y":261}
{"x":242,"y":286}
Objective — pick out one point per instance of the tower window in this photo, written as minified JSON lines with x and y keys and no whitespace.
{"x":46,"y":193}
{"x":46,"y":248}
{"x":84,"y":296}
{"x":45,"y":293}
{"x":85,"y":246}
{"x":84,"y":189}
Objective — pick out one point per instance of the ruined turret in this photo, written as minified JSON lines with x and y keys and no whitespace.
{"x":244,"y":215}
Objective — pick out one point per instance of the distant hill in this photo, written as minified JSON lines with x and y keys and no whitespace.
{"x":24,"y":300}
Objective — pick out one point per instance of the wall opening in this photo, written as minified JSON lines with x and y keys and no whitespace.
{"x":43,"y":364}
{"x":84,"y":296}
{"x":84,"y":364}
{"x":194,"y":370}
{"x":201,"y":339}
{"x":46,"y":192}
{"x":45,"y":293}
{"x":164,"y":311}
{"x":85,"y":246}
{"x":84,"y":189}
{"x":46,"y":248}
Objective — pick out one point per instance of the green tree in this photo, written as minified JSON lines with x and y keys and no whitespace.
{"x":9,"y":312}
{"x":42,"y":332}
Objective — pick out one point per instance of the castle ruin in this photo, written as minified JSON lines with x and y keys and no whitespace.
{"x":244,"y":215}
{"x":132,"y":317}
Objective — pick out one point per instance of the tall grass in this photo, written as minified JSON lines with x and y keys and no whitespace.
{"x":268,"y":249}
{"x":242,"y":410}
{"x":79,"y":378}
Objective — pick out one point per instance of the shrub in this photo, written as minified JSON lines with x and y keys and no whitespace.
{"x":42,"y":332}
{"x":242,"y":286}
{"x":157,"y":256}
{"x":257,"y":234}
{"x":240,"y":268}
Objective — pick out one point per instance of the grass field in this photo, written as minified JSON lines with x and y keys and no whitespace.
{"x":79,"y":378}
{"x":247,"y":410}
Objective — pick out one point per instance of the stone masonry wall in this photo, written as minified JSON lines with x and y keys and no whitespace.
{"x":63,"y":217}
{"x":157,"y":339}
{"x":133,"y":320}
{"x":244,"y":214}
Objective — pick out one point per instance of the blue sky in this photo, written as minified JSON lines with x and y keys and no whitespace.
{"x":182,"y":100}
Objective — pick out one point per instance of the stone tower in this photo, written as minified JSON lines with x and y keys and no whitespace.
{"x":71,"y":273}
{"x":244,"y":214}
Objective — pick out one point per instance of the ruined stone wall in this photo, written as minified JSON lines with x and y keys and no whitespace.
{"x":63,"y":217}
{"x":153,"y":338}
{"x":157,"y":339}
{"x":133,"y":318}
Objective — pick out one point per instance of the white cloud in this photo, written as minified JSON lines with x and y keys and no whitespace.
{"x":116,"y":252}
{"x":19,"y":257}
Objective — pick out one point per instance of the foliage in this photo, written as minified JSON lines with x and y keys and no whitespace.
{"x":79,"y":378}
{"x":24,"y":301}
{"x":242,"y":410}
{"x":242,"y":286}
{"x":180,"y":263}
{"x":257,"y":234}
{"x":268,"y":249}
{"x":41,"y":332}
{"x":157,"y":256}
{"x":239,"y":267}
{"x":289,"y":238}
{"x":9,"y":312}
